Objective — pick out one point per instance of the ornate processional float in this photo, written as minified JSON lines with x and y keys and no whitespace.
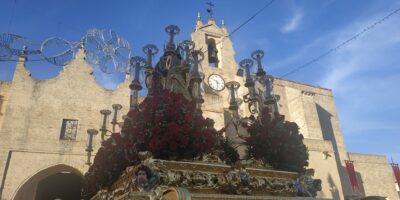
{"x":168,"y":150}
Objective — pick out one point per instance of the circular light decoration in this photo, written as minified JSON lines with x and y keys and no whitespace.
{"x":7,"y":42}
{"x":107,"y":50}
{"x":14,"y":45}
{"x":57,"y":51}
{"x":5,"y":52}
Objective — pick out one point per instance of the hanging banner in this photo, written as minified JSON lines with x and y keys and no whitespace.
{"x":352,"y":175}
{"x":396,"y":172}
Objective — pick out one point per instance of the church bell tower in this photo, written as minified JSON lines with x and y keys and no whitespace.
{"x":219,"y":67}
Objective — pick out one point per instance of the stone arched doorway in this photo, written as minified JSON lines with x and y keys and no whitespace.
{"x":57,"y":182}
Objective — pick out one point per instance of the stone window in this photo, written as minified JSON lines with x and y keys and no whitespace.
{"x":69,"y":129}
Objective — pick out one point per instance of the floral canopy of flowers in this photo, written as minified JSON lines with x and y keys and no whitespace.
{"x":107,"y":166}
{"x":276,"y":142}
{"x":166,"y":124}
{"x":170,"y":127}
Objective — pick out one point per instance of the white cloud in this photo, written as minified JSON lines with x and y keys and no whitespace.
{"x":293,"y":23}
{"x":373,"y":53}
{"x":364,"y":76}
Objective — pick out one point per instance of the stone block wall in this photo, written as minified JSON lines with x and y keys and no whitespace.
{"x":322,"y":159}
{"x":374,"y":175}
{"x":313,"y":109}
{"x":34,"y":113}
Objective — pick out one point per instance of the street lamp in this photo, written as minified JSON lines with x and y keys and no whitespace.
{"x":172,"y":31}
{"x":89,"y":146}
{"x":149,"y":50}
{"x":105,"y":113}
{"x":196,"y":77}
{"x":114,"y":121}
{"x":136,"y":66}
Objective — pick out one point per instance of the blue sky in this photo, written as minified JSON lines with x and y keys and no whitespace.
{"x":364,"y":74}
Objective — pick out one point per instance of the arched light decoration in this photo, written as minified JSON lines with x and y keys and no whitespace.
{"x":172,"y":31}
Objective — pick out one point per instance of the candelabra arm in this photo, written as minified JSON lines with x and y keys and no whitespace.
{"x":134,"y":99}
{"x":89,"y":147}
{"x":114,"y":121}
{"x":89,"y":155}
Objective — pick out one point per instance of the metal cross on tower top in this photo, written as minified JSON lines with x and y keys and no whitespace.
{"x":210,"y":9}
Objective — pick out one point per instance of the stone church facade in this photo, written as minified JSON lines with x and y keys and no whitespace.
{"x":43,"y":123}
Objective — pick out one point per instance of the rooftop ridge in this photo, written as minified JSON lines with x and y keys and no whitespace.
{"x":306,"y":84}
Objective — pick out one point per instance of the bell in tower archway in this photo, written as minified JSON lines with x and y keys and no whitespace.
{"x":212,"y":52}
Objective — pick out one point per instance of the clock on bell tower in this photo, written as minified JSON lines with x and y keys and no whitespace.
{"x":219,"y":67}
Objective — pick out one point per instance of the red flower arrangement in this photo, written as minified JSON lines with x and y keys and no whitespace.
{"x":276,"y":142}
{"x":165,"y":123}
{"x":170,"y":126}
{"x":107,"y":166}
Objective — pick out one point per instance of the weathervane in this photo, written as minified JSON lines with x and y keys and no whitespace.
{"x":210,"y":9}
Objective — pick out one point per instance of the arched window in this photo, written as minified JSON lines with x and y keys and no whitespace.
{"x":212,"y":53}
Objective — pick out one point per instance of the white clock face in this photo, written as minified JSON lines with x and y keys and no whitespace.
{"x":216,"y":82}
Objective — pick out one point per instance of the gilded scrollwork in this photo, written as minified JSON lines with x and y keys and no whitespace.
{"x":232,"y":182}
{"x":205,"y":176}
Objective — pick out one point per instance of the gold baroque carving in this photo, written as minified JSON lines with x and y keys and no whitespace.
{"x":205,"y":177}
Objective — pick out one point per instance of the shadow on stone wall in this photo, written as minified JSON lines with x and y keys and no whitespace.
{"x":328,"y":134}
{"x":1,"y":103}
{"x":333,"y":188}
{"x":327,"y":129}
{"x":360,"y":183}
